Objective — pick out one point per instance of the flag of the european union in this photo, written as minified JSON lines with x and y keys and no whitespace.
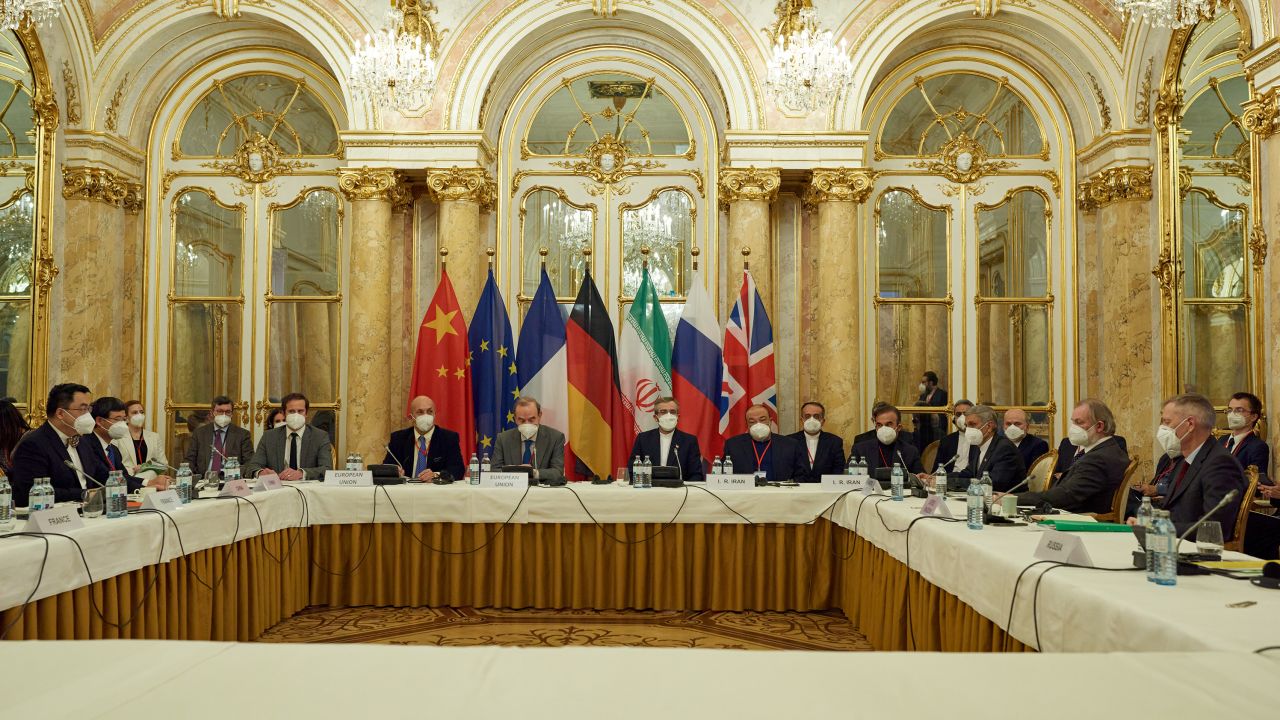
{"x":493,"y":367}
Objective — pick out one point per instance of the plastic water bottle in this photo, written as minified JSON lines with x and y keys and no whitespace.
{"x":851,"y":468}
{"x":485,"y":465}
{"x":6,"y":505}
{"x":717,"y":466}
{"x":473,"y":469}
{"x":986,"y":491}
{"x":863,"y":471}
{"x":40,"y":498}
{"x":1146,"y":520}
{"x":896,"y":480}
{"x":728,"y":465}
{"x":940,"y":482}
{"x":117,"y":495}
{"x":359,"y":463}
{"x":646,"y":474}
{"x":184,"y":483}
{"x":975,"y":500}
{"x":231,"y":469}
{"x":1165,"y":543}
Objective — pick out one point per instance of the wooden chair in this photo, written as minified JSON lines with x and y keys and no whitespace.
{"x":1041,"y":472}
{"x":1236,"y":542}
{"x":930,"y":453}
{"x":1121,"y":498}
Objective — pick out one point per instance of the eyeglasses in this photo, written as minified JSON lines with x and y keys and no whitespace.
{"x":660,"y":413}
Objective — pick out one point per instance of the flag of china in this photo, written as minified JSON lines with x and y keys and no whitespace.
{"x":442,"y":365}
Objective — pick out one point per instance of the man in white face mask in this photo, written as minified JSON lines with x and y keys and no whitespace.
{"x":1016,"y":429}
{"x":888,"y":446}
{"x":212,"y":443}
{"x":425,"y":451}
{"x":668,"y":445}
{"x":1089,"y":485}
{"x":1243,"y":412}
{"x":44,"y":451}
{"x":530,"y":444}
{"x":930,"y":426}
{"x":297,"y":451}
{"x":953,"y":450}
{"x":760,"y":450}
{"x":824,"y":451}
{"x":109,"y":426}
{"x":989,"y":452}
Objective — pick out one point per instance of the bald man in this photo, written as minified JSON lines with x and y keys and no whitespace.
{"x":1029,"y":446}
{"x":426,"y":452}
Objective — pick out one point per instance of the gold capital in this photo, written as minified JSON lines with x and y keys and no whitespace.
{"x":737,"y":184}
{"x":366,"y":183}
{"x":463,"y":184}
{"x":1262,"y":113}
{"x":840,"y":185}
{"x":101,"y":185}
{"x":1114,"y":184}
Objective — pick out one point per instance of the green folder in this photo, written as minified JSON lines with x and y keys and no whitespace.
{"x":1080,"y":526}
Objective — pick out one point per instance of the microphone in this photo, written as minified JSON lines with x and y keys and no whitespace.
{"x":1025,"y":480}
{"x":394,"y":460}
{"x":86,"y":475}
{"x":675,"y":450}
{"x":948,"y":462}
{"x":1221,"y":504}
{"x":215,"y":449}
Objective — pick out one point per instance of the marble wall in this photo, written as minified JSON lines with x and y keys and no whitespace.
{"x":372,"y":398}
{"x":1269,"y":296}
{"x":90,"y":306}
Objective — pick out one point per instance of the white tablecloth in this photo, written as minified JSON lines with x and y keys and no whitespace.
{"x":144,"y":679}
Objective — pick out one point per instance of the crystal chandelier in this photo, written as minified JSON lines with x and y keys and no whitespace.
{"x":807,"y":69}
{"x":1174,"y":14}
{"x":393,"y":67}
{"x":14,"y":13}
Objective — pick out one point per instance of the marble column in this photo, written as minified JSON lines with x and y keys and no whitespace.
{"x":99,"y":290}
{"x":747,"y":194}
{"x":1268,"y":270}
{"x":462,"y":194}
{"x":1117,"y":201}
{"x":836,"y":194}
{"x":371,"y":397}
{"x":132,"y":295}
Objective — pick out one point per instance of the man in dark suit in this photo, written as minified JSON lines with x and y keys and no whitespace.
{"x":426,"y":451}
{"x":530,"y":443}
{"x":823,"y":451}
{"x":212,"y":443}
{"x":778,"y":456}
{"x":109,"y":424}
{"x":297,"y":451}
{"x":1029,"y":446}
{"x":989,"y":452}
{"x":1090,"y":484}
{"x":1068,"y":452}
{"x":887,"y":447}
{"x":1205,"y":472}
{"x":930,"y":426}
{"x":668,"y":445}
{"x":1243,"y":412}
{"x":953,"y":449}
{"x":44,"y":452}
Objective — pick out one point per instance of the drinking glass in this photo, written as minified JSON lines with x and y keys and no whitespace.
{"x":94,"y":502}
{"x":1209,"y":538}
{"x":620,"y":475}
{"x":212,"y":481}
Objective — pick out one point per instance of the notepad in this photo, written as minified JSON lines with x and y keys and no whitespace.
{"x":1080,"y":526}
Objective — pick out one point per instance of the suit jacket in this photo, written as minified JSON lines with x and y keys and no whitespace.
{"x":199,"y":455}
{"x":41,"y":453}
{"x":1253,"y":450}
{"x":1002,"y":461}
{"x":931,"y":426}
{"x":877,"y":454}
{"x":789,"y":461}
{"x":1067,"y":453}
{"x":1031,"y":448}
{"x":1212,"y":474}
{"x":1089,"y":484}
{"x":131,"y":481}
{"x":548,"y":452}
{"x":828,"y":459}
{"x":444,"y":453}
{"x":155,"y":451}
{"x":684,"y":449}
{"x":315,"y":455}
{"x":946,"y":450}
{"x":903,"y":436}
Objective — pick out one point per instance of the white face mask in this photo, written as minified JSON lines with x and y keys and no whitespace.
{"x":222,"y":420}
{"x":424,"y":422}
{"x":922,"y":387}
{"x":958,"y":421}
{"x":1014,"y":433}
{"x":886,"y":435}
{"x":138,"y":420}
{"x":118,"y":430}
{"x":1077,"y":435}
{"x":295,"y":421}
{"x":812,"y":425}
{"x":1167,"y":440}
{"x":84,"y":424}
{"x":528,"y":430}
{"x":973,"y":436}
{"x":279,"y":424}
{"x":668,"y":422}
{"x":759,"y":432}
{"x":1235,"y":421}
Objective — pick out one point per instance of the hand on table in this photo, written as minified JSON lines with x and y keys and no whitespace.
{"x":428,"y":475}
{"x":290,"y":475}
{"x":161,"y":482}
{"x":1146,"y":489}
{"x":1269,"y":491}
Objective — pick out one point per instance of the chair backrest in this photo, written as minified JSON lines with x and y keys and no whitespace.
{"x":1236,"y":541}
{"x":1041,"y":472}
{"x":1121,"y":498}
{"x":930,"y":453}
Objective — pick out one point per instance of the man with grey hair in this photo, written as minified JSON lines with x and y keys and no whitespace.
{"x":990,"y":452}
{"x":668,"y":445}
{"x":530,"y":444}
{"x":1089,"y":485}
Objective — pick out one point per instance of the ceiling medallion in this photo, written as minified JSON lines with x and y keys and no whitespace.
{"x":807,"y":69}
{"x":258,"y":160}
{"x":608,"y":161}
{"x":962,"y":160}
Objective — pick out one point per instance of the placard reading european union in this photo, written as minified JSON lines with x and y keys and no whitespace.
{"x":349,"y":478}
{"x":504,"y":480}
{"x":1063,"y":547}
{"x":163,"y":500}
{"x":54,"y":520}
{"x":741,"y":481}
{"x":842,"y":483}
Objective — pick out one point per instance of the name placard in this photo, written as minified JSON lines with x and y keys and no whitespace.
{"x":164,"y":500}
{"x":840,"y":482}
{"x":268,"y":481}
{"x":54,"y":520}
{"x":737,"y":481}
{"x":1063,"y":547}
{"x":504,"y":480}
{"x":870,"y":486}
{"x":936,"y":506}
{"x":237,"y":488}
{"x":349,"y":478}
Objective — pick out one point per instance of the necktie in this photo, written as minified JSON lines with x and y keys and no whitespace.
{"x":527,"y":457}
{"x":421,"y":464}
{"x":113,"y":457}
{"x":220,"y":449}
{"x":293,"y":450}
{"x":1231,"y":443}
{"x":73,"y":441}
{"x":1182,"y":472}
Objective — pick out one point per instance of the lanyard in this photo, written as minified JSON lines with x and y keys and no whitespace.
{"x":424,"y":452}
{"x":138,"y":446}
{"x":760,"y":455}
{"x":806,"y":449}
{"x":883,"y":461}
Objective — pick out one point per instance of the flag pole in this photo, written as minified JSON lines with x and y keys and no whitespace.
{"x":746,"y":258}
{"x":444,"y":259}
{"x":644,"y":253}
{"x":542,"y":251}
{"x":695,"y":253}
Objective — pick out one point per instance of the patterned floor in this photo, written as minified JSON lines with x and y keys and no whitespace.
{"x":460,"y":627}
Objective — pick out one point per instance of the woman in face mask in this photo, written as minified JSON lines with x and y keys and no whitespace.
{"x":137,"y":444}
{"x":275,"y":419}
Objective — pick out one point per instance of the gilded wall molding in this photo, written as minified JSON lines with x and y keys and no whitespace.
{"x":112,"y":119}
{"x":1262,"y":113}
{"x":72,"y":93}
{"x":101,"y":185}
{"x":1104,"y":111}
{"x":463,"y":184}
{"x":366,"y":183}
{"x":752,"y":184}
{"x":1258,"y":246}
{"x":1112,"y":185}
{"x":1142,"y":106}
{"x":133,"y":198}
{"x":840,"y":185}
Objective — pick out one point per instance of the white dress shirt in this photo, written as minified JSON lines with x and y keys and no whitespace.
{"x":811,"y":443}
{"x":664,"y":446}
